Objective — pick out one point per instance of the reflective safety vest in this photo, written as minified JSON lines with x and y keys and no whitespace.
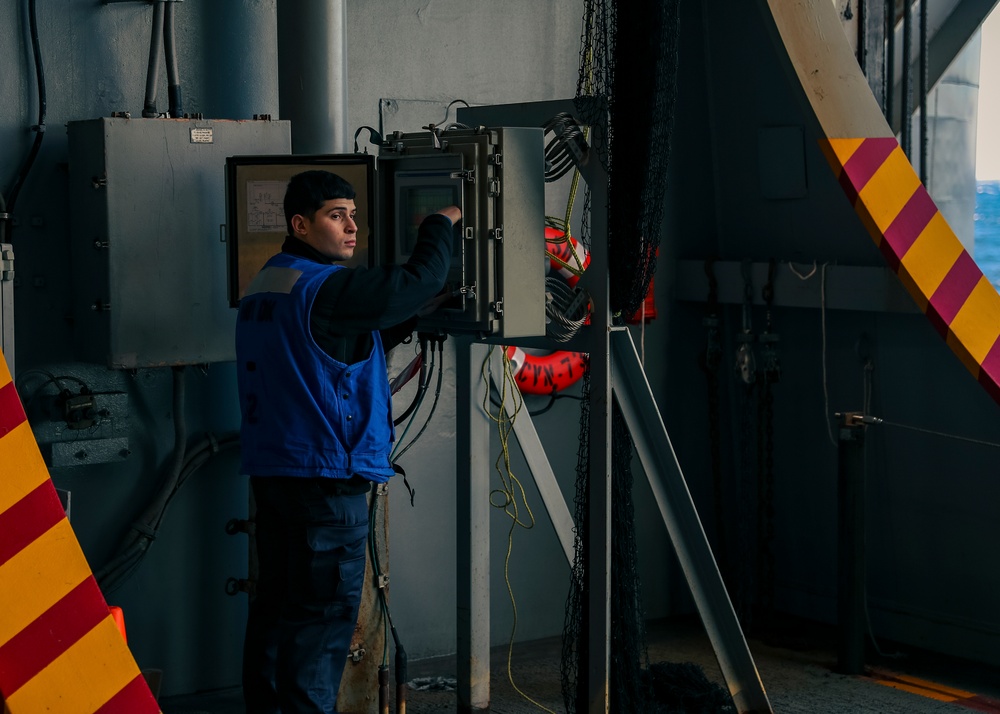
{"x":303,"y":412}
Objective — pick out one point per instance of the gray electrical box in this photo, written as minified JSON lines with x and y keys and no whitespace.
{"x":496,"y":285}
{"x":147,"y":203}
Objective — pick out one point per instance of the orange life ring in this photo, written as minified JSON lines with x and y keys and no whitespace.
{"x":546,"y":374}
{"x":553,"y":372}
{"x":562,"y":255}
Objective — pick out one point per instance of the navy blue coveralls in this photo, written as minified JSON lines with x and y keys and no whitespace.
{"x":313,"y":442}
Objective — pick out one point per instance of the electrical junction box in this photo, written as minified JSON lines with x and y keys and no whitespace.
{"x":147,"y":203}
{"x":496,"y":283}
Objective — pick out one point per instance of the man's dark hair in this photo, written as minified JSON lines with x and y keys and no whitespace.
{"x":308,"y":191}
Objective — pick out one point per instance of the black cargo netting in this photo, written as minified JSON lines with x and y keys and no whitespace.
{"x":635,"y":686}
{"x":627,"y":87}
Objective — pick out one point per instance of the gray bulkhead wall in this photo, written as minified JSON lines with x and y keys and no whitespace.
{"x":95,"y":58}
{"x":931,"y":521}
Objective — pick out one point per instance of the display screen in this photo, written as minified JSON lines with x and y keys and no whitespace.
{"x":419,"y":194}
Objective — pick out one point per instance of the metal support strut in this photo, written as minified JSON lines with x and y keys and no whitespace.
{"x":851,"y":543}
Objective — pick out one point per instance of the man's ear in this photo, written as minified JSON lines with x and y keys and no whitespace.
{"x":298,"y":224}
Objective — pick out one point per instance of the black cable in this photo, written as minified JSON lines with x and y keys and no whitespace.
{"x":906,"y":117}
{"x":170,"y":50}
{"x":450,"y":105}
{"x":421,"y":387}
{"x":923,"y":88}
{"x":42,"y":106}
{"x":153,"y":68}
{"x":374,"y":137}
{"x":890,"y":57}
{"x":437,"y":395}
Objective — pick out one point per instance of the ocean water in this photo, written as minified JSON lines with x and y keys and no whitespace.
{"x":987,"y":230}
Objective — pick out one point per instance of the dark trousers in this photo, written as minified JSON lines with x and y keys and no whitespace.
{"x":310,"y":538}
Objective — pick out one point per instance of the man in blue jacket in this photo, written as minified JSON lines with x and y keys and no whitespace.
{"x":317,"y":431}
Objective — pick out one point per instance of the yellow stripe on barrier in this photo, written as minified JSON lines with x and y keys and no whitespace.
{"x":23,"y":467}
{"x":929,"y":259}
{"x":888,"y":190}
{"x":977,"y":324}
{"x":38,"y":577}
{"x":82,"y":678}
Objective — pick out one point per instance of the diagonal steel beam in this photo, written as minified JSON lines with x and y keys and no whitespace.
{"x":670,"y":490}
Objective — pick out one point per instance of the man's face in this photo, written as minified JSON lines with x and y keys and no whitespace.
{"x":332,"y":230}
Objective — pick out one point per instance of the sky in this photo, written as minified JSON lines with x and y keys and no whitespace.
{"x":988,"y":124}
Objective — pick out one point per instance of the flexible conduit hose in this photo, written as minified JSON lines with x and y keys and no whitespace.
{"x":143,"y":531}
{"x":170,"y":50}
{"x":38,"y":128}
{"x":153,"y":69}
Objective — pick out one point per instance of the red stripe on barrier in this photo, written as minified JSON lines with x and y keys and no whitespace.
{"x":989,"y":373}
{"x":11,"y":411}
{"x":133,"y":698}
{"x":865,"y":162}
{"x":55,"y":631}
{"x":29,"y":518}
{"x":910,"y":223}
{"x":953,"y":291}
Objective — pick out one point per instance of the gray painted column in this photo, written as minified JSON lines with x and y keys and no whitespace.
{"x":312,"y":74}
{"x":241,"y":59}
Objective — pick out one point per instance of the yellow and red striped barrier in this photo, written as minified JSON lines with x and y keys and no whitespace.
{"x":60,"y":647}
{"x":917,"y":243}
{"x":885,"y":191}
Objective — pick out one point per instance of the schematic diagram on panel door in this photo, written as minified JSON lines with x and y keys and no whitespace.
{"x":265,"y":210}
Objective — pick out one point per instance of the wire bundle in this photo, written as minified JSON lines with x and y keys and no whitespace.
{"x":566,"y":309}
{"x":566,"y":149}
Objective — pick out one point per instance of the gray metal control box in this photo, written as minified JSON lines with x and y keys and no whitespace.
{"x":496,"y":175}
{"x":147,"y":203}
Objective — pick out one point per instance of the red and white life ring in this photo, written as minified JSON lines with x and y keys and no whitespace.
{"x":553,"y":372}
{"x":545,"y":374}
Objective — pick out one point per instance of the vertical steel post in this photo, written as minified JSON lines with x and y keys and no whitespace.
{"x":598,"y":572}
{"x":851,"y":544}
{"x":473,"y":527}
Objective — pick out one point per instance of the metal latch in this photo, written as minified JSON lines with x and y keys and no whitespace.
{"x":497,"y":233}
{"x":6,"y":263}
{"x":465,"y":174}
{"x":498,"y":307}
{"x":357,"y":654}
{"x":494,"y":187}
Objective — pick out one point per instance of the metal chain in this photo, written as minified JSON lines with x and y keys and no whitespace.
{"x":710,"y":360}
{"x":768,"y":377}
{"x":745,"y":489}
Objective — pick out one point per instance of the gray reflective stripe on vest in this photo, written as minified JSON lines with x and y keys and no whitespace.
{"x":274,"y":280}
